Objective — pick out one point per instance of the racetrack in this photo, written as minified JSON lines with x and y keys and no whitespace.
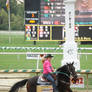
{"x":7,"y":80}
{"x":15,"y":62}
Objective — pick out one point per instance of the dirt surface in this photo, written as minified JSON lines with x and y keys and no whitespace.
{"x":83,"y":91}
{"x":7,"y":80}
{"x":24,"y":90}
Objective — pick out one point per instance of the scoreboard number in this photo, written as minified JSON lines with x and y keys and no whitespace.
{"x":33,"y":15}
{"x":44,"y":33}
{"x":31,"y":32}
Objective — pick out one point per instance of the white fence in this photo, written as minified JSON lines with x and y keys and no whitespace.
{"x":39,"y":53}
{"x":43,"y":52}
{"x":43,"y":49}
{"x":12,"y":32}
{"x":37,"y":48}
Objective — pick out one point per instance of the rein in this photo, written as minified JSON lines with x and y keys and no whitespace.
{"x":64,"y":82}
{"x":63,"y":74}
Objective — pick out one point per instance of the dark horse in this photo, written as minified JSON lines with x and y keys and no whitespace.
{"x":62,"y":80}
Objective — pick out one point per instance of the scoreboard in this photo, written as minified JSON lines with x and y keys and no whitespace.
{"x":42,"y":20}
{"x":52,"y":12}
{"x":32,"y":10}
{"x":84,"y":33}
{"x":47,"y":12}
{"x":44,"y":33}
{"x":45,"y":20}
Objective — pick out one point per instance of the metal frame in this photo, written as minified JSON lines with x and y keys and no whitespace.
{"x":51,"y":33}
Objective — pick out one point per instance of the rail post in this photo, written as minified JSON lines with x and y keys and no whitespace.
{"x":87,"y":82}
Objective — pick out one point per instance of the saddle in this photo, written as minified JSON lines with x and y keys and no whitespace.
{"x":43,"y":81}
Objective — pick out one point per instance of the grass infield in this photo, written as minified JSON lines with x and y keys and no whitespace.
{"x":20,"y":61}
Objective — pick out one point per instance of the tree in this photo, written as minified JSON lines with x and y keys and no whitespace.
{"x":17,"y":15}
{"x":13,"y":6}
{"x":20,"y":10}
{"x":3,"y":5}
{"x":16,"y":22}
{"x":3,"y":19}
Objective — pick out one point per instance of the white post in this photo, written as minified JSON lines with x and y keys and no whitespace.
{"x":70,"y":46}
{"x":9,"y":23}
{"x":38,"y":61}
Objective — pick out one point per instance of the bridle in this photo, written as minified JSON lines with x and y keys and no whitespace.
{"x":65,"y":73}
{"x":71,"y":72}
{"x":68,"y":76}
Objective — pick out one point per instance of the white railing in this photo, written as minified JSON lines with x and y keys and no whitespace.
{"x":39,"y":53}
{"x":37,"y":48}
{"x":23,"y":53}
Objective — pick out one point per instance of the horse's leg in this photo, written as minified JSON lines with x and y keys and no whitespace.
{"x":66,"y":89}
{"x":31,"y":84}
{"x":62,"y":89}
{"x":31,"y":88}
{"x":69,"y":89}
{"x":28,"y":87}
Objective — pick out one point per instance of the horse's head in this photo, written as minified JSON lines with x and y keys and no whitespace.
{"x":71,"y":70}
{"x":68,"y":69}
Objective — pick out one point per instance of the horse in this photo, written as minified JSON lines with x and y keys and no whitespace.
{"x":63,"y":75}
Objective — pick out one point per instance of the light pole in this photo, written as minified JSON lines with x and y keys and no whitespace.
{"x":70,"y":46}
{"x":9,"y":23}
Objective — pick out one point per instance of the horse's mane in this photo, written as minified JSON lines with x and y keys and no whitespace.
{"x":62,"y":68}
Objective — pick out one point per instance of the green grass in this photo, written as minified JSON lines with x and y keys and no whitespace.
{"x":20,"y":61}
{"x":19,"y":40}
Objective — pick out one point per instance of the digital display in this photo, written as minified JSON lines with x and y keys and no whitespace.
{"x":44,"y":32}
{"x":57,"y":32}
{"x":52,"y":12}
{"x":31,"y":32}
{"x":45,"y":20}
{"x":85,"y":33}
{"x":32,"y":17}
{"x":32,"y":10}
{"x":32,"y":5}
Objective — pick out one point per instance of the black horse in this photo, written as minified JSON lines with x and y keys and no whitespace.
{"x":62,"y":80}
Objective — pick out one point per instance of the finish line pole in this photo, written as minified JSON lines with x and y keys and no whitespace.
{"x":70,"y":46}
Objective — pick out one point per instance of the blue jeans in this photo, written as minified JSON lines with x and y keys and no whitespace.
{"x":51,"y":79}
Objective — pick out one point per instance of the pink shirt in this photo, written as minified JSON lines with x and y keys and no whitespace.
{"x":47,"y":67}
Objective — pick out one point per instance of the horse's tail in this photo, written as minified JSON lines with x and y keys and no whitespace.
{"x":17,"y":85}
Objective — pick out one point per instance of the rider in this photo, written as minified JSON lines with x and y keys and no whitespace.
{"x":48,"y":71}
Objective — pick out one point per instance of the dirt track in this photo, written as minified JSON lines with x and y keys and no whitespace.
{"x":7,"y":80}
{"x":82,"y":91}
